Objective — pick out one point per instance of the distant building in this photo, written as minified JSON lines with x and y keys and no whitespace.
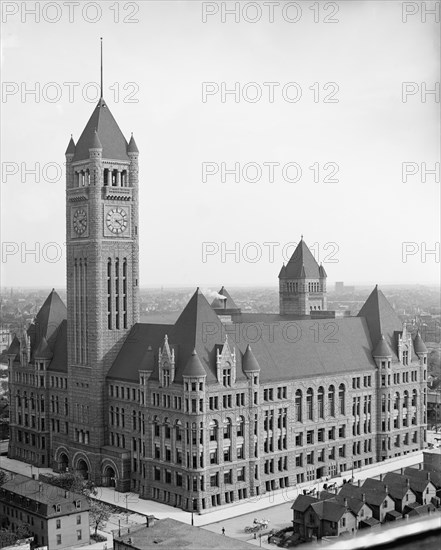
{"x":170,"y":533}
{"x":55,"y":517}
{"x":341,"y":288}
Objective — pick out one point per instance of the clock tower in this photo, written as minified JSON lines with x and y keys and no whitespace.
{"x":102,"y":271}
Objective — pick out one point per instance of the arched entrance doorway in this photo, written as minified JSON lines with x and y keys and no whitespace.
{"x":109,"y":477}
{"x":83,"y":469}
{"x":63,"y":463}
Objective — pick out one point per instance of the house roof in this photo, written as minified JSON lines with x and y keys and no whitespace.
{"x":420,"y":479}
{"x":43,"y":350}
{"x":171,"y":533}
{"x":301,"y":265}
{"x":48,"y":496}
{"x":113,"y":142}
{"x":302,"y":503}
{"x":398,"y":485}
{"x":329,"y":510}
{"x":381,"y":319}
{"x":374,"y":496}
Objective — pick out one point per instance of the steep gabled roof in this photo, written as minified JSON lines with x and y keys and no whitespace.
{"x":329,"y":510}
{"x":47,"y":322}
{"x":302,"y":264}
{"x":381,"y":319}
{"x":397,"y":484}
{"x":59,"y":359}
{"x":109,"y":134}
{"x":302,"y":503}
{"x":227,"y":304}
{"x":420,"y":479}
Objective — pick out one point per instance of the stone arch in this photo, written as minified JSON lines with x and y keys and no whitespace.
{"x":109,"y":473}
{"x":62,"y":459}
{"x":82,"y":465}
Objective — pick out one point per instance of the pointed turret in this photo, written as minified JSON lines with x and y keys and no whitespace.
{"x":302,"y":283}
{"x":193,"y":367}
{"x":71,"y":147}
{"x":418,"y":344}
{"x":382,"y":349}
{"x":132,"y":147}
{"x":95,"y":143}
{"x":112,"y":140}
{"x":249,"y":361}
{"x":381,"y":319}
{"x":43,"y":350}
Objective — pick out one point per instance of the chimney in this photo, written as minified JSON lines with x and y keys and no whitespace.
{"x":386,"y":488}
{"x":402,"y":471}
{"x":407,"y":482}
{"x":428,"y":476}
{"x":345,"y":502}
{"x":381,"y":477}
{"x":363,"y":497}
{"x":66,"y":494}
{"x":359,"y":482}
{"x":40,"y":487}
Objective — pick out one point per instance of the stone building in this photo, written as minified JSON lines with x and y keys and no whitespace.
{"x":55,"y":518}
{"x":221,"y":405}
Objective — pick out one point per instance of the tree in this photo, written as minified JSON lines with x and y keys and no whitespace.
{"x":99,"y":513}
{"x":3,"y":477}
{"x":9,"y":538}
{"x":73,"y":483}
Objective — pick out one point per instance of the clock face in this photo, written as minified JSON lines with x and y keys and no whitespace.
{"x":80,"y":221}
{"x":117,"y":220}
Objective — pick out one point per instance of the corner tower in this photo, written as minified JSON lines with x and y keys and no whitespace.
{"x":302,"y":283}
{"x":102,"y":267}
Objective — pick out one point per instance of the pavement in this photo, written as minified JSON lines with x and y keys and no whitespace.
{"x":250,"y":508}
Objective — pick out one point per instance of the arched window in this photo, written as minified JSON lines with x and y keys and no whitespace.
{"x":156,"y":427}
{"x":383,"y":403}
{"x":213,"y":427}
{"x":112,"y":416}
{"x":414,"y":398}
{"x":396,"y":401}
{"x":331,"y":400}
{"x":227,"y":428}
{"x":167,"y":430}
{"x":321,"y":402}
{"x":298,"y":405}
{"x":178,"y":430}
{"x":406,"y":399}
{"x":309,"y":404}
{"x":341,"y":398}
{"x":241,"y":426}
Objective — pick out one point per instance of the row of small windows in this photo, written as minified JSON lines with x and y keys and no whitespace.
{"x":320,"y":407}
{"x":112,"y":178}
{"x":121,"y":392}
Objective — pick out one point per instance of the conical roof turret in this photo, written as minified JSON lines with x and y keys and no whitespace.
{"x":194,"y":367}
{"x":71,"y":147}
{"x":132,"y":147}
{"x":382,"y":349}
{"x":418,"y":344}
{"x":249,"y":361}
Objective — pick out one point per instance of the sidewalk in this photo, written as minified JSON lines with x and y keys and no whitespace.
{"x":131,"y":501}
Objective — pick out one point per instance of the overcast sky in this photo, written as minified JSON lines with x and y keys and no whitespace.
{"x":345,"y":117}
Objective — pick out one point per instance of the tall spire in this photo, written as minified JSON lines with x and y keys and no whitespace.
{"x":101,"y":39}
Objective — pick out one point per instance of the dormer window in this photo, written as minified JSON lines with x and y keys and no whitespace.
{"x":78,"y":504}
{"x":58,"y":507}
